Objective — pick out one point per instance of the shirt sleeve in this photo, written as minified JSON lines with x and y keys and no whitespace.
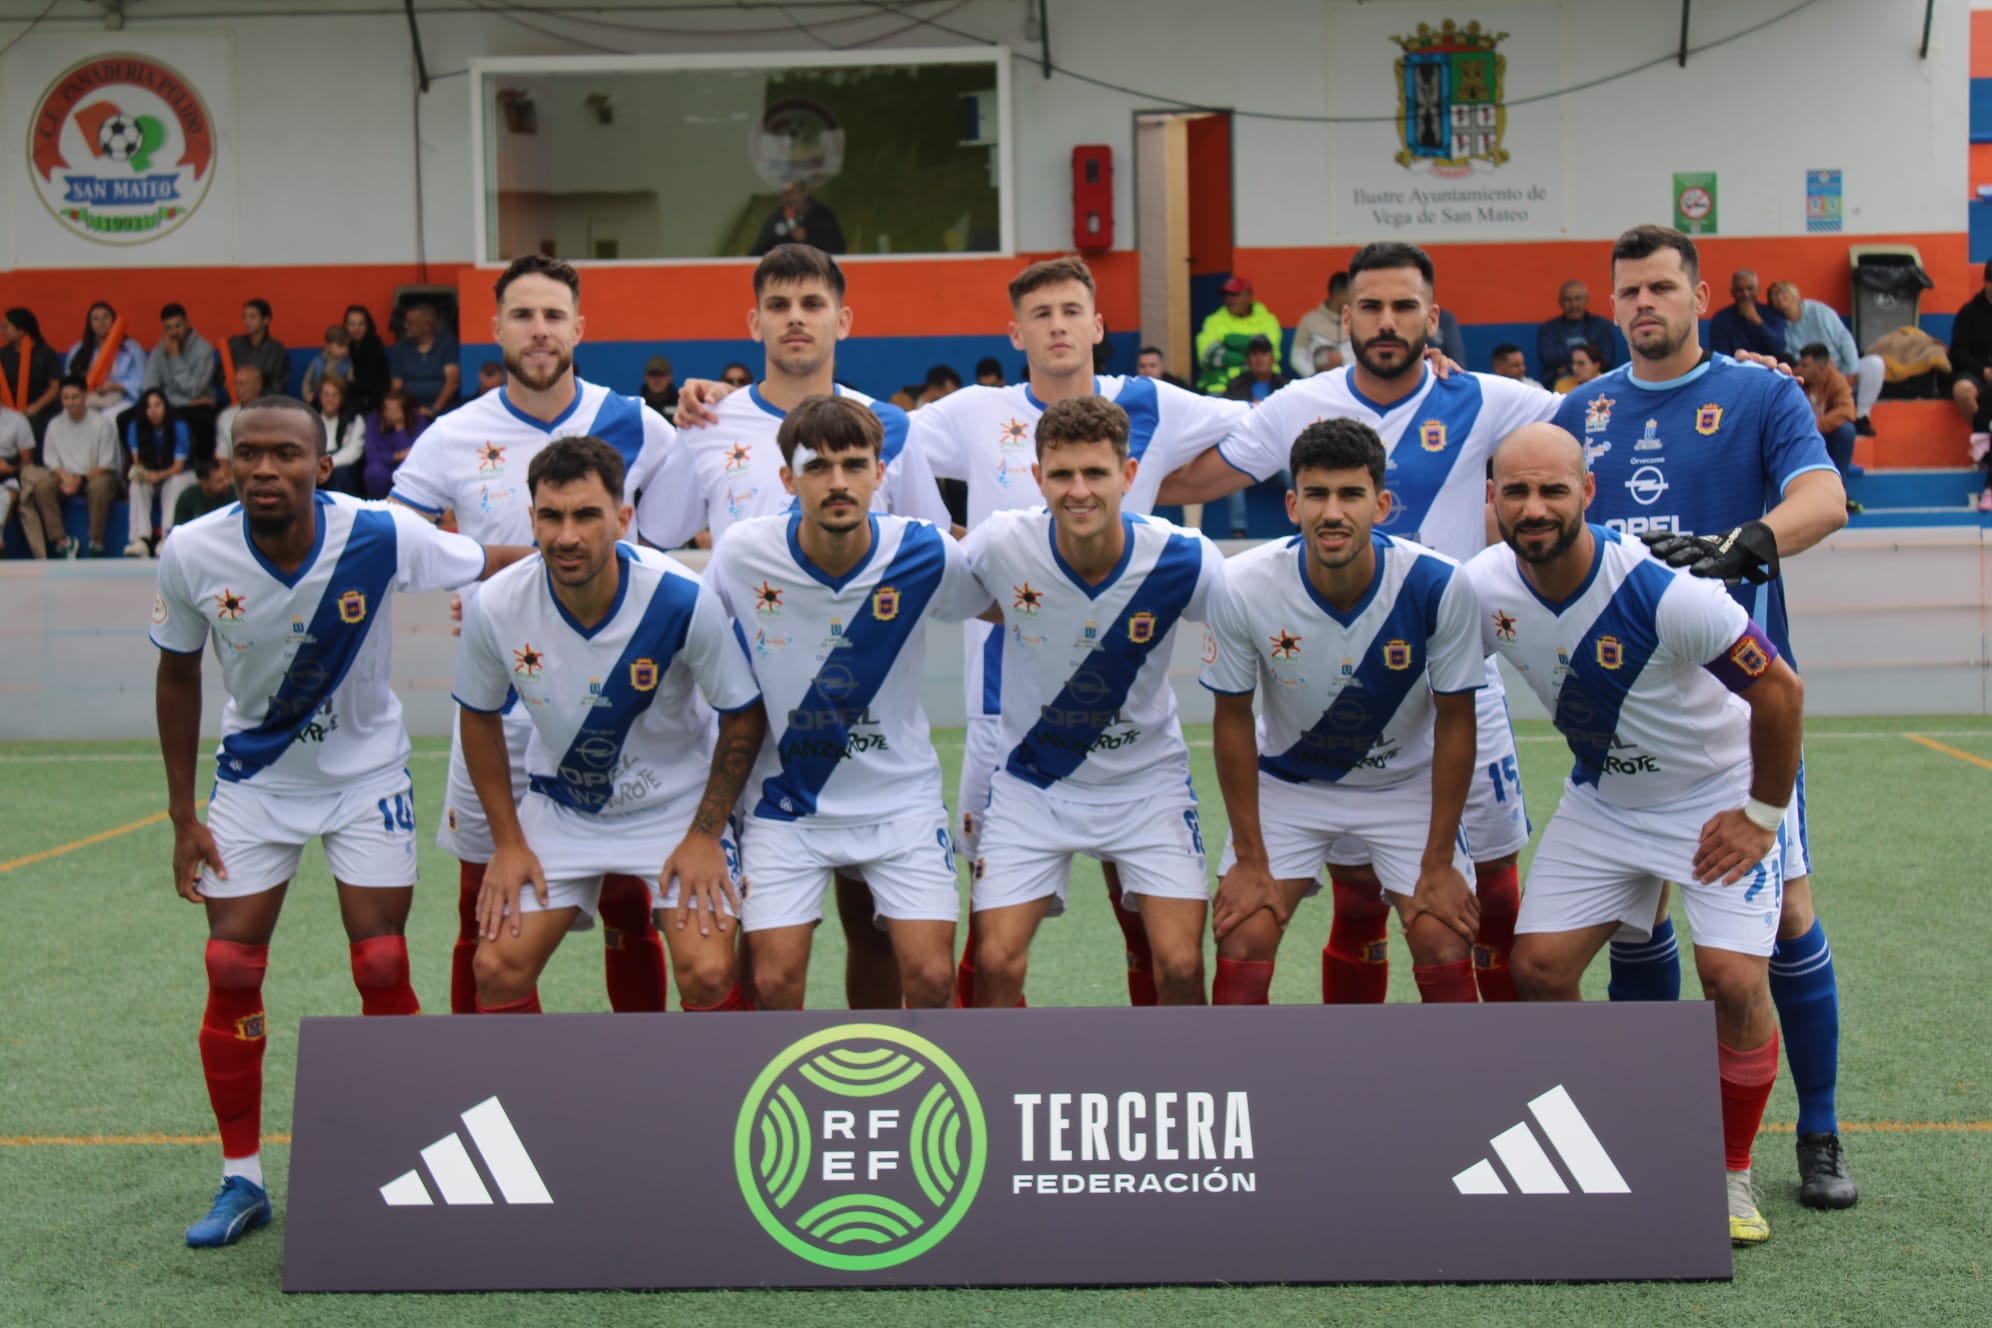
{"x":1792,"y":442}
{"x":910,"y":489}
{"x":961,"y":595}
{"x":433,"y":559}
{"x":723,"y":675}
{"x":1210,"y":581}
{"x":1697,"y":620}
{"x":178,"y":624}
{"x":1454,"y":658}
{"x":1191,"y":424}
{"x":1472,"y":579}
{"x":1259,"y":443}
{"x":673,"y":506}
{"x":1516,"y":404}
{"x":658,"y":439}
{"x":1231,"y":656}
{"x":481,"y":680}
{"x":419,"y":480}
{"x":936,"y":434}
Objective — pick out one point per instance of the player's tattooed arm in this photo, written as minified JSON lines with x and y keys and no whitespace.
{"x":705,"y":878}
{"x":177,"y":705}
{"x":741,"y":734}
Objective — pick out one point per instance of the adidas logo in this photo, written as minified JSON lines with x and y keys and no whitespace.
{"x":1529,"y":1166}
{"x":455,"y":1175}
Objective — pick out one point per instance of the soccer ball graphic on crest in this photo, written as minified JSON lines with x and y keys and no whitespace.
{"x":120,"y":138}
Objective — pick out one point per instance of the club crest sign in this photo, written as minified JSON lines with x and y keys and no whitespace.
{"x":121,"y":149}
{"x":1450,"y":111}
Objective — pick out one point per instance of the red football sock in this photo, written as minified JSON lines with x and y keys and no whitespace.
{"x":965,"y":972}
{"x":232,"y":1041}
{"x":1445,"y":984}
{"x":1747,"y":1077}
{"x":529,"y":1005}
{"x":733,"y":1000}
{"x":1242,"y":982}
{"x":380,"y":971}
{"x":632,"y":948}
{"x":1140,"y":959}
{"x":463,"y":958}
{"x":1500,"y":894}
{"x":1355,"y":964}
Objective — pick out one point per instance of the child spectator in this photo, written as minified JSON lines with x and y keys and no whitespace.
{"x":345,"y":435}
{"x":337,"y":357}
{"x":388,"y":441}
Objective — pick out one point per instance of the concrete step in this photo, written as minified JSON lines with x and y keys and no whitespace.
{"x":1913,"y":435}
{"x":1948,"y":486}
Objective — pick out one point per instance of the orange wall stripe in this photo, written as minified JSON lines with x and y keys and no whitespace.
{"x":1981,"y":43}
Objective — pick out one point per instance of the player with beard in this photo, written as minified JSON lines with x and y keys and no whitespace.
{"x":1439,"y":434}
{"x":472,"y":463}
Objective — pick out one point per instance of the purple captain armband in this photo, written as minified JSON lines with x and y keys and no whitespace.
{"x":1740,"y":665}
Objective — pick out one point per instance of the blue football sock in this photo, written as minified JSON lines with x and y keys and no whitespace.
{"x":1647,"y":970}
{"x":1808,"y":1002}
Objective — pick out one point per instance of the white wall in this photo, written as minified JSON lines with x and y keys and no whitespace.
{"x":322,"y":140}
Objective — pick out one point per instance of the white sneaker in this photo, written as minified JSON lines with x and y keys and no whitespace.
{"x":137,"y":549}
{"x":1980,"y":444}
{"x":1746,"y":1225}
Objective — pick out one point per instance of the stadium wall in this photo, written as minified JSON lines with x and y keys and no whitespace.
{"x":338,"y":181}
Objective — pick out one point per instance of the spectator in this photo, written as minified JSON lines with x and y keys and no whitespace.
{"x":1832,"y":407}
{"x":213,"y":489}
{"x":1451,"y":340}
{"x":1222,"y":340}
{"x":345,"y":435}
{"x":17,"y":452}
{"x":490,"y":375}
{"x":248,"y":386}
{"x":660,"y":386}
{"x":29,"y":369}
{"x":79,"y":456}
{"x":336,"y":357}
{"x":1260,"y":379}
{"x":111,"y":363}
{"x":1586,"y":363}
{"x":989,"y":372}
{"x":256,"y":346}
{"x":1321,"y":327}
{"x":1152,"y":363}
{"x":161,"y":466}
{"x":1809,"y":321}
{"x":1746,"y":324}
{"x":1509,"y":362}
{"x":800,"y":220}
{"x":736,"y":374}
{"x":425,"y":362}
{"x":388,"y":441}
{"x":371,"y":374}
{"x":1560,"y":335}
{"x":941,"y":380}
{"x":182,"y":366}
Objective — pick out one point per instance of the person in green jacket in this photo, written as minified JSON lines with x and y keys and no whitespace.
{"x":1225,"y":335}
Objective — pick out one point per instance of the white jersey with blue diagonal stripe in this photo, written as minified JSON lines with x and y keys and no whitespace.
{"x":305,"y":655}
{"x":732,"y":469}
{"x":839,"y":660}
{"x":1086,"y":704}
{"x":622,"y":712}
{"x":1344,"y":698}
{"x":1621,"y":667}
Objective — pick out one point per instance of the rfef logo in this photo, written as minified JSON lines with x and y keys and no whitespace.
{"x":121,"y":148}
{"x":860,"y":1147}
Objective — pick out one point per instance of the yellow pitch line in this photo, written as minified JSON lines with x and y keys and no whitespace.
{"x":88,"y":840}
{"x":1936,"y":746}
{"x":105,"y":1140}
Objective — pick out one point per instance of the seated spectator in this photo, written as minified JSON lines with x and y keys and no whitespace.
{"x":29,"y":369}
{"x":17,"y":453}
{"x":941,"y":380}
{"x":248,"y":386}
{"x":388,"y":441}
{"x":490,"y":375}
{"x":345,"y":435}
{"x":182,"y":366}
{"x":1576,"y":325}
{"x":161,"y":454}
{"x":989,"y":372}
{"x":425,"y":362}
{"x":111,"y":363}
{"x":256,"y":346}
{"x":1152,"y":363}
{"x":736,"y":374}
{"x":1508,"y":362}
{"x":369,"y":381}
{"x":1260,"y":379}
{"x":799,"y":220}
{"x":1586,"y":363}
{"x":79,"y":457}
{"x":336,"y":357}
{"x":1320,"y":327}
{"x":1746,"y":324}
{"x":213,"y":489}
{"x":660,"y":386}
{"x":1832,"y":407}
{"x":1327,"y":358}
{"x":1809,"y":321}
{"x":1222,"y":339}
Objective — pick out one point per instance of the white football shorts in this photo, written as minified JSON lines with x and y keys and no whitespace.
{"x":1388,"y":825}
{"x":1029,"y":836}
{"x":368,"y":830}
{"x":908,"y":864}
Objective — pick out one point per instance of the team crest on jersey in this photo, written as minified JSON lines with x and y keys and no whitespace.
{"x":885,"y":603}
{"x":1504,"y":625}
{"x":229,"y":606}
{"x":1610,"y":653}
{"x":352,"y":607}
{"x":1286,"y":645}
{"x":1598,"y":414}
{"x":768,"y":600}
{"x":1432,"y":435}
{"x":250,"y":1027}
{"x":1026,"y":599}
{"x":491,"y":457}
{"x":527,"y":662}
{"x":1708,"y":419}
{"x":1397,"y":654}
{"x":643,"y":674}
{"x":737,"y":458}
{"x":1748,"y":656}
{"x":1141,"y":628}
{"x":1014,"y":434}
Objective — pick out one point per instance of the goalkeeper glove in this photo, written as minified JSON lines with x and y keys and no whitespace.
{"x":1748,"y":553}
